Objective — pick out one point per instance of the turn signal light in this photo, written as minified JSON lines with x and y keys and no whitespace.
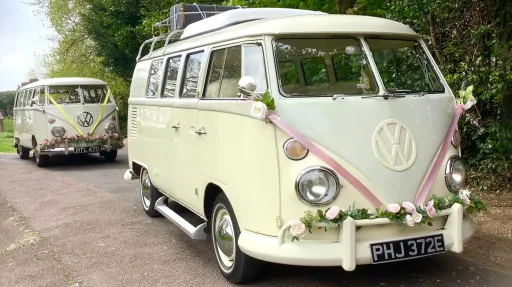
{"x":51,"y":120}
{"x":456,"y":139}
{"x":295,"y":150}
{"x":113,"y":117}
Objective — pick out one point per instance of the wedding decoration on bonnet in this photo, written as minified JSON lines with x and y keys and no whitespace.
{"x":404,"y":213}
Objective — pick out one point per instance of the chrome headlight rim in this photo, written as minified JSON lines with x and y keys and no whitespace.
{"x":456,"y":139}
{"x":338,"y":185}
{"x":108,"y":130}
{"x":449,"y":172}
{"x":54,"y":131}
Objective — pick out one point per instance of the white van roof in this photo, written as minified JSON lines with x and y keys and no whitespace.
{"x":277,"y":22}
{"x":64,"y":82}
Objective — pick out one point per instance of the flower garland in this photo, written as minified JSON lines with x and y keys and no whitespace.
{"x":405,"y":213}
{"x":75,"y":140}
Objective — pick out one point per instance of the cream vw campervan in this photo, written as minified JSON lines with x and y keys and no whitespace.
{"x":64,"y":116}
{"x":359,"y":159}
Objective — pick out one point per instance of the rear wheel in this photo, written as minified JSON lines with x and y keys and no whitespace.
{"x":148,"y":194}
{"x":23,"y":152}
{"x":235,"y":265}
{"x":110,"y":156}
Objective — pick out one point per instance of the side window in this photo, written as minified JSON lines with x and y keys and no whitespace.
{"x":224,"y":73}
{"x":21,"y":103}
{"x":288,"y":73}
{"x":42,"y":96}
{"x":190,"y":80}
{"x":171,"y":76}
{"x":154,"y":78}
{"x":315,"y":71}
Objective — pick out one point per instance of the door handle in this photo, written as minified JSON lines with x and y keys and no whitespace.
{"x":200,"y":132}
{"x":176,"y":127}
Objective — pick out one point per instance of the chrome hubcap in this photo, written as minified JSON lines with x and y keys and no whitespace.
{"x":224,"y":239}
{"x":145,"y":189}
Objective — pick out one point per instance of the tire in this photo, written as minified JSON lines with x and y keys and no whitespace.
{"x":240,"y":268}
{"x":149,"y":194}
{"x":23,"y":152}
{"x":110,"y":156}
{"x":42,"y":160}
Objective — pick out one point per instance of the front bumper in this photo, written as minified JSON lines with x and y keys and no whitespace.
{"x":347,"y":251}
{"x":71,"y":150}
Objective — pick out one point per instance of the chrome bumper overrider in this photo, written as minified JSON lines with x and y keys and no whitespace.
{"x":347,"y":252}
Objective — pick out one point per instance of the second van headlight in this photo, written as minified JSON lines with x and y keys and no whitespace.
{"x":58,"y":131}
{"x":455,"y":174}
{"x":317,"y":186}
{"x":111,"y":128}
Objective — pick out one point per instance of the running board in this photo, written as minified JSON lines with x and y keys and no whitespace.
{"x":194,"y":232}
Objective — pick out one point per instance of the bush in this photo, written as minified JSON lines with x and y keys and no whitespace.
{"x":8,"y":128}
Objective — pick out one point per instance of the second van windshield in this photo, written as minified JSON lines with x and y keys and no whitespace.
{"x":89,"y":94}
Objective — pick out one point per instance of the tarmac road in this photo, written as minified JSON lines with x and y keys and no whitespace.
{"x":78,"y":223}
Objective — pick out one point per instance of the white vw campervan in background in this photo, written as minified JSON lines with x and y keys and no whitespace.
{"x":65,"y":116}
{"x":361,"y":112}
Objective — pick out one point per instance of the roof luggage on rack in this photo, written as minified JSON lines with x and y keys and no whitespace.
{"x":181,"y":15}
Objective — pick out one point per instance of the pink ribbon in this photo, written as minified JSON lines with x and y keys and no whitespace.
{"x":422,"y":194}
{"x":326,"y":158}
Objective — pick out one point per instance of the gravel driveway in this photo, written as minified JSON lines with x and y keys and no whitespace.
{"x":78,"y":223}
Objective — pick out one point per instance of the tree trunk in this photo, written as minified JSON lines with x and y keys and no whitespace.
{"x":343,"y":5}
{"x":432,"y":24}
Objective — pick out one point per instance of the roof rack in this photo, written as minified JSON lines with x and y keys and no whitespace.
{"x":181,"y":15}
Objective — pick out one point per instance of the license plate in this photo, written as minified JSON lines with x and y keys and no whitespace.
{"x":87,"y":149}
{"x":407,"y":249}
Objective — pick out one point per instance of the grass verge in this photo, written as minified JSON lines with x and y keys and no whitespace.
{"x":6,"y":140}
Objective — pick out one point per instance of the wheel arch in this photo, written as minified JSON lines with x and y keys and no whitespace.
{"x":210,"y":194}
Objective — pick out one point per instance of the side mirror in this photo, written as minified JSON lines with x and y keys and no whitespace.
{"x":464,"y":85}
{"x":247,"y":85}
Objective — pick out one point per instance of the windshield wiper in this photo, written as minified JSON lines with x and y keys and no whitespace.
{"x":385,"y":96}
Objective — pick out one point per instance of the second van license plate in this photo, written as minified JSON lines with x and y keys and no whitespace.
{"x":87,"y":149}
{"x":406,"y":249}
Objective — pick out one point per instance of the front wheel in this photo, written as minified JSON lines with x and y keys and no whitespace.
{"x":41,"y":160}
{"x":110,"y":156}
{"x":235,"y":265}
{"x":23,"y":152}
{"x":148,"y":194}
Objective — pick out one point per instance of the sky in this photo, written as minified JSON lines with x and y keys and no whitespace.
{"x":23,"y":35}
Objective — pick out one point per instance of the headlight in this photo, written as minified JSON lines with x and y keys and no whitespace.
{"x":294,"y":149}
{"x":111,"y":128}
{"x":317,"y":186}
{"x":455,"y":175}
{"x":456,"y":139}
{"x":58,"y":131}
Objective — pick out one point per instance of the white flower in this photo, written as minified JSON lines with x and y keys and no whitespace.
{"x":332,"y":213}
{"x":469,"y":104}
{"x":465,"y":192}
{"x":409,"y":207}
{"x":298,"y":229}
{"x":372,"y":211}
{"x":409,"y":220}
{"x":393,"y":208}
{"x":417,"y":217}
{"x":431,"y":210}
{"x":465,"y":197}
{"x":259,"y":111}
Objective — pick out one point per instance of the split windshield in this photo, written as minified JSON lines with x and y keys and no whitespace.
{"x":326,"y":67}
{"x":86,"y":94}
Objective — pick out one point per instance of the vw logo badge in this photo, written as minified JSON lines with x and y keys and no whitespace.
{"x":394,"y":145}
{"x":85,"y":119}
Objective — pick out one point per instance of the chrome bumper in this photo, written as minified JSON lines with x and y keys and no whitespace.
{"x":71,"y":150}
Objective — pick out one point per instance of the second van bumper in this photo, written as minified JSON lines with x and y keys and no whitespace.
{"x":78,"y":150}
{"x":347,"y":252}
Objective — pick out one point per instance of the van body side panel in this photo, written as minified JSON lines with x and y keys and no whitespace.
{"x":239,"y":152}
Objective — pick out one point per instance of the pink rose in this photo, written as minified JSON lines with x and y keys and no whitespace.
{"x":393,"y":208}
{"x":409,"y":207}
{"x":431,"y":210}
{"x":417,"y":217}
{"x":298,"y":229}
{"x":45,"y":142}
{"x":332,"y":213}
{"x":409,"y":220}
{"x":465,"y":198}
{"x":116,"y":136}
